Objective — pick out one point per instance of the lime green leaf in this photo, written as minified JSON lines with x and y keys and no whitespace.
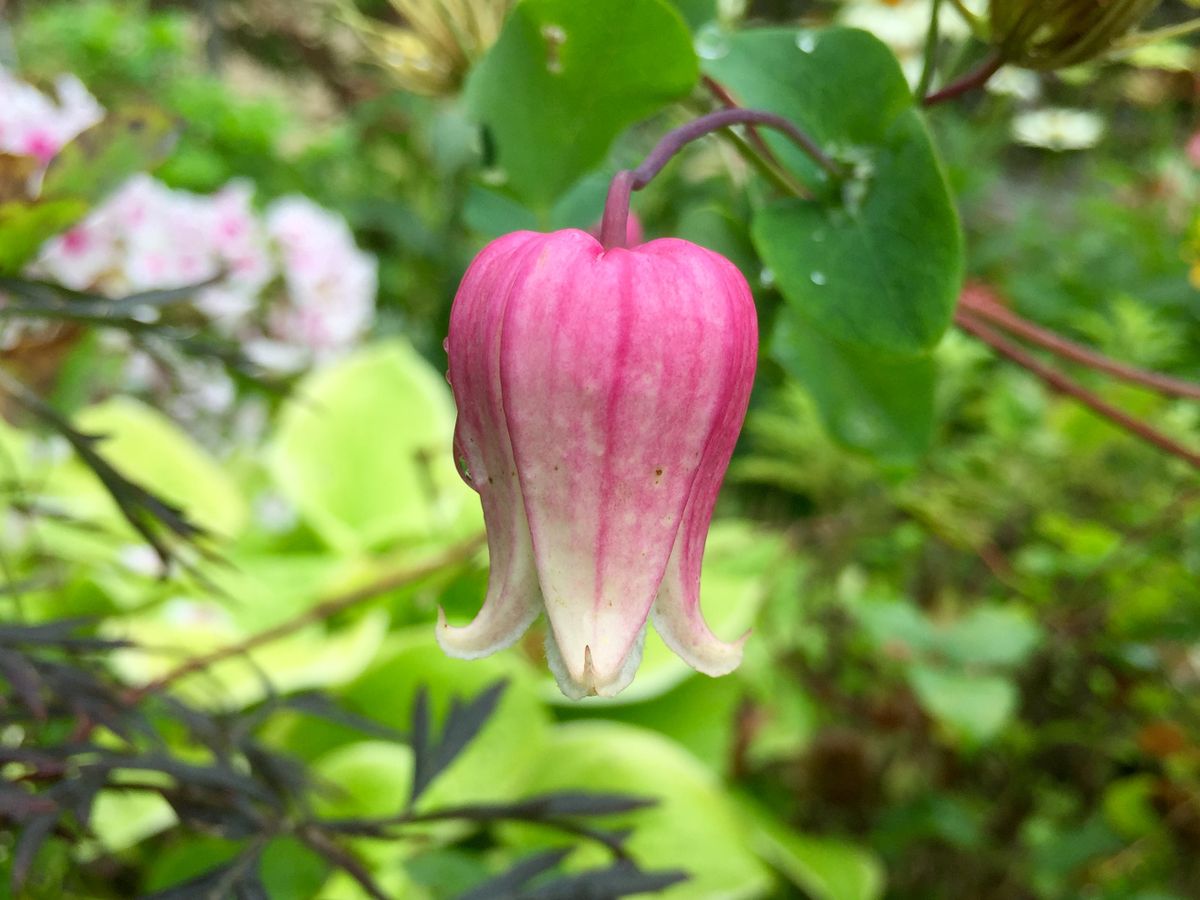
{"x":153,"y":451}
{"x":695,"y":826}
{"x":972,"y":708}
{"x":24,"y":227}
{"x":366,"y":779}
{"x":497,"y":763}
{"x":566,"y":77}
{"x":310,"y":658}
{"x":121,"y":819}
{"x":363,"y":450}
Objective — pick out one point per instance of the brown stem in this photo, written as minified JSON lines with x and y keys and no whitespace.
{"x":320,"y":612}
{"x":976,"y":78}
{"x":1060,"y":346}
{"x":1064,"y":384}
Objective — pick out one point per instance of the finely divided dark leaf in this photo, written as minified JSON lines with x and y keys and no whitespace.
{"x":622,"y":879}
{"x":508,"y":884}
{"x":24,"y":680}
{"x":462,"y":723}
{"x":237,"y":879}
{"x":581,"y":803}
{"x":31,"y":839}
{"x":321,"y":706}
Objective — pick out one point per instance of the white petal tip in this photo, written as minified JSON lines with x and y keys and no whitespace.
{"x":692,"y":642}
{"x":590,"y":682}
{"x":484,"y":636}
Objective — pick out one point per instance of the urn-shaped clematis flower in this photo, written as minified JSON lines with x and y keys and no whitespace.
{"x":600,"y":394}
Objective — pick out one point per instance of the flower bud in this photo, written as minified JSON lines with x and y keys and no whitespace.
{"x":600,"y":394}
{"x":1054,"y":34}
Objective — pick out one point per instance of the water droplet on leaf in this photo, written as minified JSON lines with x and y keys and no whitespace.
{"x":711,"y":43}
{"x":818,"y":278}
{"x":806,"y":41}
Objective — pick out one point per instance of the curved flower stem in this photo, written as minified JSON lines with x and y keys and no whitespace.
{"x":975,"y":78}
{"x":616,"y":207}
{"x":1064,"y":384}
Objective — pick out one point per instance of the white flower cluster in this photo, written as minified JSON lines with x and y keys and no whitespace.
{"x":289,"y":283}
{"x":32,"y":124}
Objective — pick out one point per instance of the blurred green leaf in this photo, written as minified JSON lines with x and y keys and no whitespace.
{"x":824,"y":868}
{"x":972,"y":708}
{"x":25,"y":226}
{"x":565,"y":78}
{"x":363,"y":449}
{"x":990,"y":636}
{"x":125,"y":142}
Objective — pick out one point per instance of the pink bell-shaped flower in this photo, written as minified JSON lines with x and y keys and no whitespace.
{"x":600,"y":394}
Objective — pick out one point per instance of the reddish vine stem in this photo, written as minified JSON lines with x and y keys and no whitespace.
{"x":616,"y":207}
{"x":727,"y":100}
{"x":1067,"y":349}
{"x":319,"y":613}
{"x":1064,"y":384}
{"x":975,"y":78}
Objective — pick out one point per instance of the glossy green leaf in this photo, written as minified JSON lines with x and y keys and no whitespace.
{"x":566,"y":77}
{"x":695,"y":826}
{"x":363,"y":450}
{"x":878,"y":262}
{"x":883,"y":406}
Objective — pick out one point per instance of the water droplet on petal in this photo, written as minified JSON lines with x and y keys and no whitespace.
{"x":818,"y":278}
{"x":711,"y":42}
{"x":806,"y":41}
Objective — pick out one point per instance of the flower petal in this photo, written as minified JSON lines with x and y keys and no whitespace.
{"x":616,"y":371}
{"x":484,"y":453}
{"x":676,"y":614}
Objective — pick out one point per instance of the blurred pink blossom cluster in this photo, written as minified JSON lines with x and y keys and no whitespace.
{"x":33,"y":124}
{"x":291,"y":283}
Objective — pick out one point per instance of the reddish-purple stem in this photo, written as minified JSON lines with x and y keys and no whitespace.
{"x":976,"y":78}
{"x":969,"y":322}
{"x":616,"y":207}
{"x":1060,"y":346}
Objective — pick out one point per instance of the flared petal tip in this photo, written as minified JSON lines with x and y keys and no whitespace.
{"x":590,"y":681}
{"x":483,"y":636}
{"x":692,"y":642}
